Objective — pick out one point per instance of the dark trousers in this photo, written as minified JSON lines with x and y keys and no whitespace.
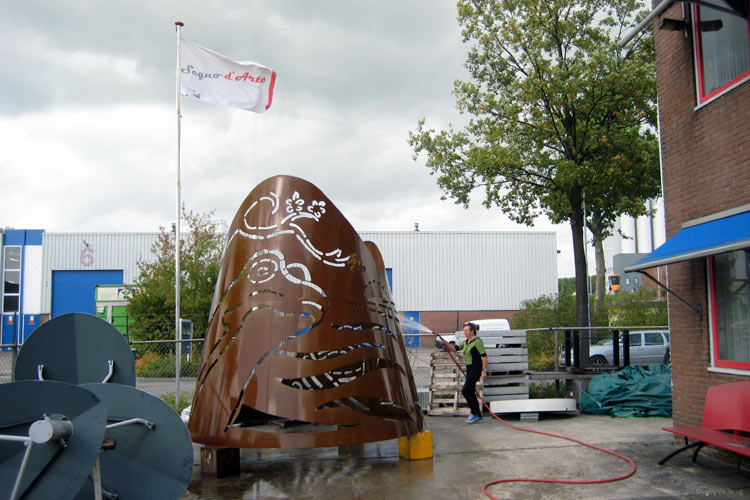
{"x":470,"y":388}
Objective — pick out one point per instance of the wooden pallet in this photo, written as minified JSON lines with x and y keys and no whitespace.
{"x":446,"y":381}
{"x":507,"y":364}
{"x":507,"y":377}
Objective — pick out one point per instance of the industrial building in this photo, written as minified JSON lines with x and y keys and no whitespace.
{"x":438,"y":279}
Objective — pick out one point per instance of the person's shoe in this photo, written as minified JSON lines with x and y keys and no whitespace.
{"x":479,"y":420}
{"x":472,"y":419}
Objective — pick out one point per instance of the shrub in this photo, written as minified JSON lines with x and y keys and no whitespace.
{"x":186,"y":398}
{"x":543,"y":390}
{"x":153,"y":365}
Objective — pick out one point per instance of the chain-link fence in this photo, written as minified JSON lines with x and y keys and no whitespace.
{"x":156,"y":372}
{"x":572,"y":348}
{"x":155,"y":365}
{"x":7,"y":362}
{"x":549,"y":350}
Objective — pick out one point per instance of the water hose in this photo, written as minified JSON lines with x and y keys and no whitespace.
{"x":550,"y":434}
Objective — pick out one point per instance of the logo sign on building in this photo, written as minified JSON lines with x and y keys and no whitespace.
{"x":87,"y":254}
{"x":113,"y":293}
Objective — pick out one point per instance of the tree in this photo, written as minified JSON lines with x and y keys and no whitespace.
{"x":153,"y":304}
{"x":562,"y":118}
{"x":641,"y":308}
{"x":547,"y":311}
{"x":558,"y":311}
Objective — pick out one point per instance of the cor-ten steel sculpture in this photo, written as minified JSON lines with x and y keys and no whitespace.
{"x":303,"y":328}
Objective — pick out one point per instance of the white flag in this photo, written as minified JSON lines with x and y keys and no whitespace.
{"x":211,"y":77}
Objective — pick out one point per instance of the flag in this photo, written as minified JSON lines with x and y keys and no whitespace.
{"x":211,"y":77}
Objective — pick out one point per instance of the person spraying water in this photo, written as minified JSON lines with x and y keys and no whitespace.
{"x":476,"y":368}
{"x":470,"y":331}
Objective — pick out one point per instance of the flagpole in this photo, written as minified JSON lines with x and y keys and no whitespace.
{"x":178,"y":323}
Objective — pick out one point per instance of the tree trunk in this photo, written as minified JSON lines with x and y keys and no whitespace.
{"x":600,"y":275}
{"x":582,"y":294}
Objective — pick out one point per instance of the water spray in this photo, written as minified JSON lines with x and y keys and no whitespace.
{"x":413,"y":324}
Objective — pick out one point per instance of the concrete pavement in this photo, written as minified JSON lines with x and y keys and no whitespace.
{"x":468,"y":456}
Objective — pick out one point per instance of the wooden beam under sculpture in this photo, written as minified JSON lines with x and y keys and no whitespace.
{"x":302,"y":328}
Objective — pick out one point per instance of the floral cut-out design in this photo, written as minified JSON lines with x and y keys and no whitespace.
{"x":302,"y":328}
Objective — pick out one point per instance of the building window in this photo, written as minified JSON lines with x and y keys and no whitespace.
{"x":729,"y":276}
{"x":722,"y":49}
{"x":12,"y":279}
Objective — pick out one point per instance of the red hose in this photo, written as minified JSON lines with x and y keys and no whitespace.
{"x":558,"y":436}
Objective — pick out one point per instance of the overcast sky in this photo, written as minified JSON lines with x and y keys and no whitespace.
{"x":88,"y":121}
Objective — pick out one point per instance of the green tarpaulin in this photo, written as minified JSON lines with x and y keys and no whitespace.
{"x":631,"y":392}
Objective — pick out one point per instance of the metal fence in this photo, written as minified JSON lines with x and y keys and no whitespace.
{"x":156,"y":371}
{"x":549,"y":350}
{"x":574,"y":348}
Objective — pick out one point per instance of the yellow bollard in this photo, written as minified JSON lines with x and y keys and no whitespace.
{"x":416,"y":446}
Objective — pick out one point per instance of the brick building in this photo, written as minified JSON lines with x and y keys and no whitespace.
{"x":703,"y":80}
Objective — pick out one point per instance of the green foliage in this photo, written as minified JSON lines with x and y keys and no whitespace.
{"x":542,"y":357}
{"x":555,"y":311}
{"x":153,"y":365}
{"x":186,"y":398}
{"x":547,"y":311}
{"x":566,"y":286}
{"x":637,"y":309}
{"x":153,"y":304}
{"x":560,"y":115}
{"x":543,"y":389}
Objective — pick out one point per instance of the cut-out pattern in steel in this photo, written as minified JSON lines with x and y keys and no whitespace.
{"x":302,"y":328}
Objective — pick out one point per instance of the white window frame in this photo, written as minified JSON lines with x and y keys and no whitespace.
{"x":20,"y":278}
{"x":718,"y":365}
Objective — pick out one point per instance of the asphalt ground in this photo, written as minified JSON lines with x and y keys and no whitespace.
{"x":466,"y":456}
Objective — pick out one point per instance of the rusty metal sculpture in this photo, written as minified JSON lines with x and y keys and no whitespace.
{"x":303,"y":328}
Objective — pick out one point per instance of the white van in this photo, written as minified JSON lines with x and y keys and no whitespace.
{"x":487,"y":328}
{"x":486,"y":325}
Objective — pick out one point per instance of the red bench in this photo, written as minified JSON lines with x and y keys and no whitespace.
{"x":726,"y":417}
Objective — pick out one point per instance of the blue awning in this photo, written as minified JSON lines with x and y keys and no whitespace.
{"x":700,"y":240}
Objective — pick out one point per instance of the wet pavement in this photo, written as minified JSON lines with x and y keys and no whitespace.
{"x":468,"y":456}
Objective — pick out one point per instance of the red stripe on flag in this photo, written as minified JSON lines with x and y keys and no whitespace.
{"x":270,"y":89}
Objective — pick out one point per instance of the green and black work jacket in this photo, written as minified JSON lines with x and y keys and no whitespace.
{"x":473,"y":352}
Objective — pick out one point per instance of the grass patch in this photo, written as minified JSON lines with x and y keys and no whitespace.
{"x":186,"y":399}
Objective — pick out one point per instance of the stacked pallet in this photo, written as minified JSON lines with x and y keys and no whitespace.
{"x":507,"y":366}
{"x":446,"y":381}
{"x":507,"y":378}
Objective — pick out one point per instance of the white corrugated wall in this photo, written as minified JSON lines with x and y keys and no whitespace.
{"x":434,"y":271}
{"x":93,"y":251}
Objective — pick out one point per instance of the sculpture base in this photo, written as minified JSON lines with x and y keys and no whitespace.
{"x":220,"y":462}
{"x":415,"y":447}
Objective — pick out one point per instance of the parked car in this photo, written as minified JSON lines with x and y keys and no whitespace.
{"x":646,"y":348}
{"x":487,"y":327}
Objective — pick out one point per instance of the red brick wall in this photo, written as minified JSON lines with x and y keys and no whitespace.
{"x":450,"y":321}
{"x":706,"y":169}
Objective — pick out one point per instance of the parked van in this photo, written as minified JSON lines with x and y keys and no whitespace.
{"x":486,"y":328}
{"x":646,"y":347}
